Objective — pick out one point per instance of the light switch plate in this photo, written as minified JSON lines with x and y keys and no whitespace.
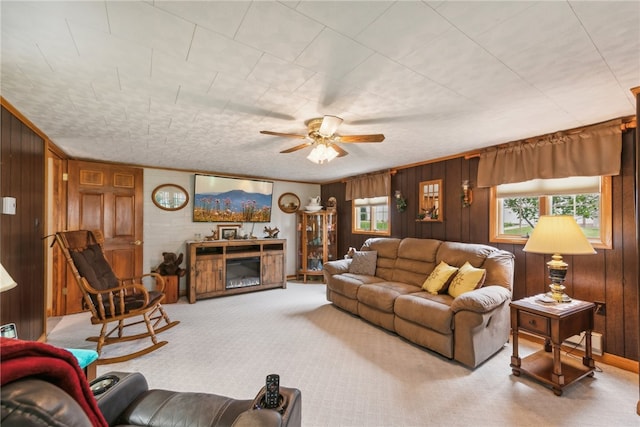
{"x":9,"y":205}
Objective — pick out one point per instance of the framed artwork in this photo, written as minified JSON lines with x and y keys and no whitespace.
{"x":228,"y":231}
{"x":224,"y":199}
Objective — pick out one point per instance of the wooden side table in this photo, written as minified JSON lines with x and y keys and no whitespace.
{"x":554,"y":322}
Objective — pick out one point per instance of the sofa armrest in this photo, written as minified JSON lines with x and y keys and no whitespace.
{"x":115,"y":400}
{"x":338,"y":266}
{"x":481,"y":300}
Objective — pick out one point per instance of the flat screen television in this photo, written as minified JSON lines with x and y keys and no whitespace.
{"x":223,"y":199}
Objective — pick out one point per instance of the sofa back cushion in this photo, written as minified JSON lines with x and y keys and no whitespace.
{"x":497,"y":263}
{"x":387,"y":249}
{"x":416,"y":260}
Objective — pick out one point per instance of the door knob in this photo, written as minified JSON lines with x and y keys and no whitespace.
{"x":137,"y":242}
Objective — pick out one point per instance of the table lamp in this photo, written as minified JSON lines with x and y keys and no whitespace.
{"x":558,"y":235}
{"x":6,"y":281}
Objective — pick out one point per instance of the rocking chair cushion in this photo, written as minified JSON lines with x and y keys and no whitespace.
{"x":133,"y":302}
{"x":93,"y":266}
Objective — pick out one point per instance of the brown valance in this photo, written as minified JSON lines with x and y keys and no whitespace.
{"x":592,"y":151}
{"x":371,"y":185}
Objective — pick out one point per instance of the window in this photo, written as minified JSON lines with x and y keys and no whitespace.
{"x":515,"y":208}
{"x":371,"y":216}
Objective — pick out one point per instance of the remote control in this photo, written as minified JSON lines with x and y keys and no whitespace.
{"x":272,"y":391}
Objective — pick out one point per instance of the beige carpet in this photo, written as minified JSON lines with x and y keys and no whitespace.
{"x":350,"y":372}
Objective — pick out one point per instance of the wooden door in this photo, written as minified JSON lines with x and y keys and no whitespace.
{"x":109,"y":198}
{"x":273,"y":268}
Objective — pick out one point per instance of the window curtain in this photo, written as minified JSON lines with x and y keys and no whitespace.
{"x":372,"y":185}
{"x":592,"y":151}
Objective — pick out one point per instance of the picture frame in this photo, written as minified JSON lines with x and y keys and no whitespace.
{"x":228,"y":231}
{"x":228,"y":199}
{"x":289,"y":202}
{"x":170,"y":197}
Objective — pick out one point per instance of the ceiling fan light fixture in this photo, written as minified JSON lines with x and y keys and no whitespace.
{"x":322,"y":153}
{"x":329,"y":125}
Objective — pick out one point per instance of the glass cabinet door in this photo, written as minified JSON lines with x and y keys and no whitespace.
{"x":332,"y":236}
{"x":315,"y":242}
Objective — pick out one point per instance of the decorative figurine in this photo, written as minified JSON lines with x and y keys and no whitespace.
{"x":272,"y":233}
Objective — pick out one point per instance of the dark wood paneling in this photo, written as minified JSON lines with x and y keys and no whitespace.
{"x":609,"y":276}
{"x":22,"y":248}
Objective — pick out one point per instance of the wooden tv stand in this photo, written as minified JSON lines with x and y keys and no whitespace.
{"x":227,"y":267}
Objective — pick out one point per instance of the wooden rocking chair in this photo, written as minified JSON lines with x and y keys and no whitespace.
{"x":111,"y":299}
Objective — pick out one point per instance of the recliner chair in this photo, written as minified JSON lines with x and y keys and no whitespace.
{"x":43,"y":385}
{"x":36,"y":402}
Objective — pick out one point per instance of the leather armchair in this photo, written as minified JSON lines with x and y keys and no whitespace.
{"x":129,"y":402}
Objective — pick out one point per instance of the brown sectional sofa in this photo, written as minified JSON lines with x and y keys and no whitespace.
{"x":469,"y":328}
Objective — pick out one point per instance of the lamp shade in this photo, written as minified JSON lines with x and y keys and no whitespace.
{"x":329,"y":125}
{"x":6,"y":281}
{"x":558,"y":234}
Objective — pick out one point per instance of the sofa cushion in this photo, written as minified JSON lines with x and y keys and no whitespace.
{"x":466,"y":279}
{"x":439,"y":278}
{"x":456,"y":253}
{"x":347,"y":284}
{"x":387,"y":249}
{"x":416,"y":260}
{"x":382,"y":295}
{"x":364,"y":262}
{"x":424,"y":309}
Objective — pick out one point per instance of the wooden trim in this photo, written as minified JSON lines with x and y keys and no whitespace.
{"x":18,"y":115}
{"x":55,"y":150}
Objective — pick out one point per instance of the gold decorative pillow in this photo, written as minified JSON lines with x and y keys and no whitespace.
{"x":439,"y":278}
{"x":467,"y":279}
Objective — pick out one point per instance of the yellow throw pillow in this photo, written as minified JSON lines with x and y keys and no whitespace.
{"x":438,"y":278}
{"x":467,"y":279}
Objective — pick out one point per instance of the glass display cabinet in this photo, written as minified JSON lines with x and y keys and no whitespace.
{"x":317,"y":241}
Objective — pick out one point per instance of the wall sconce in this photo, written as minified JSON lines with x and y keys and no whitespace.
{"x":401,"y":202}
{"x":467,"y":194}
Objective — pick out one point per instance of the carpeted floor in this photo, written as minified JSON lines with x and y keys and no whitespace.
{"x":350,"y":372}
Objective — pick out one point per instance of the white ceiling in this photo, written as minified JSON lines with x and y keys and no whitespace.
{"x":189,"y":85}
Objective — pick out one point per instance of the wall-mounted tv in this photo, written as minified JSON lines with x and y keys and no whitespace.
{"x":223,"y":199}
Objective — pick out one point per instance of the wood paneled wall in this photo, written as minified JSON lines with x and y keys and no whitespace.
{"x":21,"y":246}
{"x":609,"y":276}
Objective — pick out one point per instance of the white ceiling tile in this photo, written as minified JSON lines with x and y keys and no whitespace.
{"x":346,"y":17}
{"x":402,"y":28}
{"x":223,"y":17}
{"x":476,"y":17}
{"x":333,"y":54}
{"x":276,"y":29}
{"x":278,"y":73}
{"x":219,"y":53}
{"x":544,"y":23}
{"x":147,"y":25}
{"x":446,"y":61}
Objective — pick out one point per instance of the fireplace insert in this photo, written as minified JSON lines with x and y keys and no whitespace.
{"x":243,"y":272}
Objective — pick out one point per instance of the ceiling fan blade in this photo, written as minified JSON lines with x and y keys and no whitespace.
{"x":296,"y":148}
{"x":377,"y":137}
{"x":341,"y":151}
{"x":329,"y":125}
{"x":286,"y":135}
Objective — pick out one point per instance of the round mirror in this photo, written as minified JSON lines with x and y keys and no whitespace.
{"x":170,"y":197}
{"x":289,"y":202}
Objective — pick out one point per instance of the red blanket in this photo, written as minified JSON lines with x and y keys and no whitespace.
{"x":20,"y":359}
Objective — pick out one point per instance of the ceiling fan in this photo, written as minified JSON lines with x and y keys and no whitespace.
{"x":322,"y":137}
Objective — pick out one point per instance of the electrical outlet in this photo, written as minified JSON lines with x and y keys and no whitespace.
{"x":601,"y":308}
